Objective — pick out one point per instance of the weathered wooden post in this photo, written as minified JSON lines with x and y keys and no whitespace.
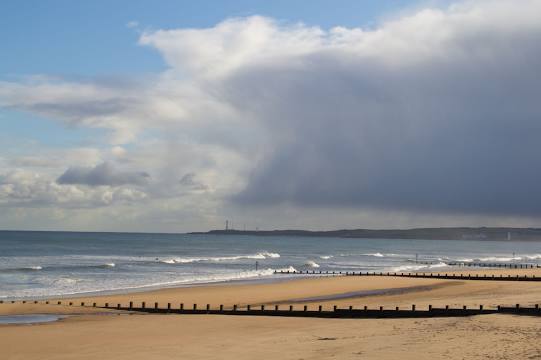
{"x":82,"y":303}
{"x":350,"y":308}
{"x":208,"y":307}
{"x":168,"y":306}
{"x":248,"y":307}
{"x":290,"y":307}
{"x":334,"y":308}
{"x":106,"y":305}
{"x":93,"y":304}
{"x":118,"y":306}
{"x":429,"y":307}
{"x":155,"y":305}
{"x":195,"y":306}
{"x":320,"y":308}
{"x":276,"y":307}
{"x":221,"y":307}
{"x":413,"y":307}
{"x":131,"y":305}
{"x":143,"y":305}
{"x":305,"y":308}
{"x":235,"y":307}
{"x":262,"y":307}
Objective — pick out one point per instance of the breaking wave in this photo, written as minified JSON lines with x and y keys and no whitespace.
{"x":187,"y":260}
{"x":311,"y":264}
{"x":404,"y":268}
{"x":22,"y":269}
{"x":32,"y":268}
{"x":71,"y":286}
{"x":374,"y":254}
{"x":500,"y":258}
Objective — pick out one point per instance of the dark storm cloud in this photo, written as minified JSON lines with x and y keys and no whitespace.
{"x":103,"y":174}
{"x":455,"y":131}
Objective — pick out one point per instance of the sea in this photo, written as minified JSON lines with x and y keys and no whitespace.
{"x":55,"y":264}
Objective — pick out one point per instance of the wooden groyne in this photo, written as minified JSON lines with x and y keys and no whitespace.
{"x":342,"y":313}
{"x":304,"y":311}
{"x":460,"y":276}
{"x":478,"y":264}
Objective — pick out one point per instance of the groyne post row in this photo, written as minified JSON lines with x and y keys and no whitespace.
{"x":460,"y":276}
{"x":291,"y":311}
{"x":491,"y":265}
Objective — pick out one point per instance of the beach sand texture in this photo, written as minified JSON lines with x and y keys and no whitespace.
{"x":118,"y":335}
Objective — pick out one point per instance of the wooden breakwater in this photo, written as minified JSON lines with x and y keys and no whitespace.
{"x":478,"y":264}
{"x":336,"y":312}
{"x":304,"y":311}
{"x":460,"y":276}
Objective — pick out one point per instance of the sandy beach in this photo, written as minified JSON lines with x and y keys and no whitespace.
{"x":89,"y":333}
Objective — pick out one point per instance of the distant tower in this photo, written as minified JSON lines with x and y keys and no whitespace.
{"x":227,"y":225}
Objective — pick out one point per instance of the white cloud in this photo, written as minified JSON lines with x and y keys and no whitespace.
{"x":24,"y":188}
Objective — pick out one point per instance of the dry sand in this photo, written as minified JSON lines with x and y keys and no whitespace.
{"x":108,"y":335}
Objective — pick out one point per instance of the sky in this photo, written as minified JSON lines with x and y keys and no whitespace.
{"x":176,"y":116}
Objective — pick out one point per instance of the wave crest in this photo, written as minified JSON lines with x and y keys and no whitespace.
{"x":404,"y":268}
{"x":259,"y":256}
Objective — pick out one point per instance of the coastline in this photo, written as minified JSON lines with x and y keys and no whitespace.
{"x":321,"y":289}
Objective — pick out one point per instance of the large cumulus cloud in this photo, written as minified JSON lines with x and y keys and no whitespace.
{"x":435,"y":112}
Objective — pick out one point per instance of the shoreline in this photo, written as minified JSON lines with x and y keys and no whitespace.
{"x":276,"y":278}
{"x":312,"y":289}
{"x":150,"y":288}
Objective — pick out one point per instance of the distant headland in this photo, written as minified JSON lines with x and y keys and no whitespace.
{"x":441,"y":233}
